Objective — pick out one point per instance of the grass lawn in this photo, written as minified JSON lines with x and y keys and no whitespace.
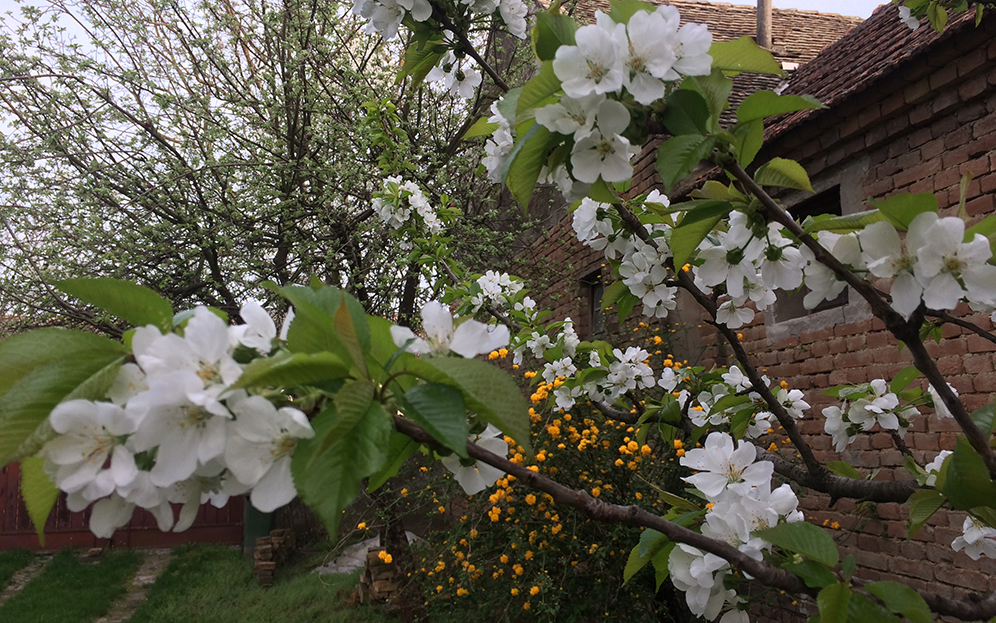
{"x":210,"y":584}
{"x":11,"y":562}
{"x":70,"y":591}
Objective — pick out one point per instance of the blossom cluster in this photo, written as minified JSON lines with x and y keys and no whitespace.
{"x":609,"y":63}
{"x":174,"y":431}
{"x":641,"y":265}
{"x":869,"y":404}
{"x":458,"y":76}
{"x":386,"y":16}
{"x":741,"y":502}
{"x":396,"y":201}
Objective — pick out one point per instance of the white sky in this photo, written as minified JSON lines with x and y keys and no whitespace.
{"x":857,"y":8}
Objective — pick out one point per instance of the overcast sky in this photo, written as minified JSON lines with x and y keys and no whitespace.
{"x":858,"y":8}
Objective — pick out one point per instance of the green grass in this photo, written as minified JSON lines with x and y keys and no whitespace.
{"x":11,"y":562}
{"x":70,"y":591}
{"x":210,"y":584}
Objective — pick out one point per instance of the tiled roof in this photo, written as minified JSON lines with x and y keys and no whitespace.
{"x":877,"y":47}
{"x":798,"y":36}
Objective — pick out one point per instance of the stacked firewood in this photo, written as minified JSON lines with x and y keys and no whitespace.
{"x":380,"y":578}
{"x":271,"y":551}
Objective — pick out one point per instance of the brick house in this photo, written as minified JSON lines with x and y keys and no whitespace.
{"x":908,"y":111}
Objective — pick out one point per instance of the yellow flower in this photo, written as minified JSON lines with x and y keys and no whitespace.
{"x":835,"y":526}
{"x":503,"y":352}
{"x":526,"y":606}
{"x":493,"y":355}
{"x":361,"y":526}
{"x":677,"y":444}
{"x":439,"y":588}
{"x":639,"y":495}
{"x":596,"y":492}
{"x":514,"y":591}
{"x":462,"y":591}
{"x":534,"y":590}
{"x":504,"y":559}
{"x":387,"y":558}
{"x":530,"y":499}
{"x":473,"y":533}
{"x":528,"y":555}
{"x":680,"y":452}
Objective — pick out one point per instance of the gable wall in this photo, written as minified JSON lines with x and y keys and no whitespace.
{"x":919,"y":130}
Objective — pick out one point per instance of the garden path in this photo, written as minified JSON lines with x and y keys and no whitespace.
{"x":154,"y":564}
{"x":25,"y":575}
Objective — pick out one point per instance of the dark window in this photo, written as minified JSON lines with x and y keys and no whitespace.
{"x":593,"y":294}
{"x":789,"y":305}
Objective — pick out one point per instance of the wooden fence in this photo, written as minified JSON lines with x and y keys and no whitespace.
{"x":68,"y":529}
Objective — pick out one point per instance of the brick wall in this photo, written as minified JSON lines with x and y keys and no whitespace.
{"x":918,"y":129}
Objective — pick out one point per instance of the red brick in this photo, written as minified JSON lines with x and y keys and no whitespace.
{"x":911,"y":568}
{"x":978,"y":344}
{"x":972,"y":87}
{"x":916,"y":92}
{"x":980,"y":205}
{"x":978,"y":363}
{"x":984,"y":382}
{"x":971,"y":61}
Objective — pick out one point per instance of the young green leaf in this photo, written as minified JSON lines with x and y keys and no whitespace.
{"x":694,"y":228}
{"x":537,"y":90}
{"x":525,"y":161}
{"x":38,"y":492}
{"x":902,"y":600}
{"x":743,"y":54}
{"x":128,"y":301}
{"x":399,"y":448}
{"x":903,"y":378}
{"x":481,"y":127}
{"x":291,"y":370}
{"x":805,"y":539}
{"x":679,"y":155}
{"x":843,"y":469}
{"x":762,"y":104}
{"x":967,"y":483}
{"x":686,"y":113}
{"x":833,"y":602}
{"x":784,"y":173}
{"x":440,"y":410}
{"x":551,"y":31}
{"x":812,"y":573}
{"x":486,"y":389}
{"x":329,"y":467}
{"x":923,"y":504}
{"x":40,"y":369}
{"x":902,"y":208}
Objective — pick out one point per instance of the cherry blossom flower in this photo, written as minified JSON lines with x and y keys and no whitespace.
{"x":259,"y":331}
{"x":260,"y":444}
{"x":478,"y":476}
{"x":514,"y":13}
{"x":604,"y":152}
{"x":978,"y":539}
{"x":837,"y":426}
{"x":720,"y":466}
{"x":907,"y":18}
{"x":469,"y":339}
{"x":933,"y":468}
{"x":570,"y":116}
{"x":594,"y":64}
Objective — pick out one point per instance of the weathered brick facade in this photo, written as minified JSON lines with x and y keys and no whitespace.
{"x":908,"y":111}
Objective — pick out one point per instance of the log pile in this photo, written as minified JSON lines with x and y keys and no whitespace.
{"x":271,"y":551}
{"x":380,"y":578}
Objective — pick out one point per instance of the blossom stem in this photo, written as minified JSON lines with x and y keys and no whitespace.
{"x":443,"y":19}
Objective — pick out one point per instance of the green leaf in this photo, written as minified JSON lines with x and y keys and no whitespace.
{"x":421,"y":56}
{"x":938,"y":16}
{"x":783,"y":172}
{"x":864,"y":610}
{"x":626,"y":304}
{"x":487,"y":390}
{"x":678,"y":156}
{"x":526,"y":160}
{"x":923,"y":504}
{"x":291,"y":370}
{"x":901,"y":600}
{"x":902,"y":208}
{"x":351,"y":404}
{"x":508,"y":104}
{"x":743,"y":55}
{"x":983,"y":418}
{"x":805,"y":539}
{"x":329,"y":467}
{"x":38,"y":492}
{"x":660,"y":562}
{"x":715,"y":89}
{"x":535,"y":92}
{"x":726,"y":402}
{"x":128,"y":301}
{"x":439,"y":409}
{"x":350,"y":322}
{"x":550,"y":32}
{"x":812,"y":573}
{"x":687,"y":112}
{"x":620,"y":11}
{"x":967,"y":483}
{"x":762,"y":104}
{"x":313,"y":330}
{"x":846,"y":224}
{"x":40,"y":369}
{"x":694,"y":227}
{"x":677,"y":502}
{"x":843,"y":469}
{"x":399,"y":448}
{"x":613,"y":293}
{"x":833,"y":601}
{"x":749,"y":138}
{"x":642,"y":554}
{"x":903,"y":379}
{"x":481,"y":127}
